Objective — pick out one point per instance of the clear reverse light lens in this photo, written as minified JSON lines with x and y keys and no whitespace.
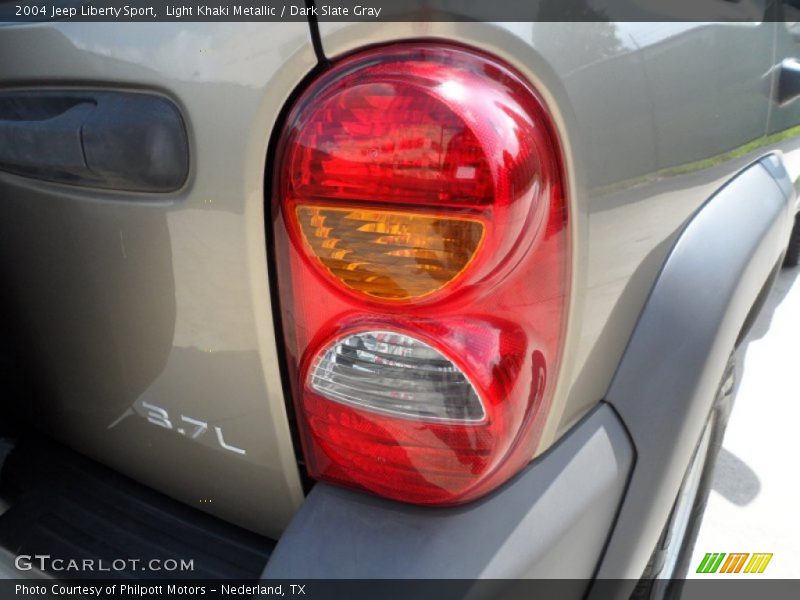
{"x":395,"y":374}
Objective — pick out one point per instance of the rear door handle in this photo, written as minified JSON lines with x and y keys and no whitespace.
{"x":117,"y":140}
{"x":786,"y":86}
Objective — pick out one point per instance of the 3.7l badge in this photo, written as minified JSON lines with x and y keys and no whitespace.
{"x":181,"y":424}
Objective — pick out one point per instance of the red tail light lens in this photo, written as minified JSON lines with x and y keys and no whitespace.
{"x":422,"y":255}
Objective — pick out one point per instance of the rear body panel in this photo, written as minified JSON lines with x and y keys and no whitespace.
{"x":148,"y":316}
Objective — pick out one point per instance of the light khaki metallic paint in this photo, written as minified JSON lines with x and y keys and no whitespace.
{"x":163,"y":299}
{"x":131,"y":298}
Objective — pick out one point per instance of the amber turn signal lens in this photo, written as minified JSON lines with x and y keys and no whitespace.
{"x":390,"y":254}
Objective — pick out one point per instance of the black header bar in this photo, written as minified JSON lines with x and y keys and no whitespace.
{"x":377,"y":11}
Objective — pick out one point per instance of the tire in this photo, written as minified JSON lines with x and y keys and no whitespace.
{"x":792,"y":258}
{"x":663,"y":577}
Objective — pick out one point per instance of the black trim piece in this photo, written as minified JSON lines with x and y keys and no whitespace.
{"x":316,"y":38}
{"x":272,"y":275}
{"x":128,"y":141}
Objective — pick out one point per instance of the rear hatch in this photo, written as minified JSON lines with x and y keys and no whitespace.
{"x":146,"y":315}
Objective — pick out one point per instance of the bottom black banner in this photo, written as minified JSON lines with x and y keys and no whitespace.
{"x":730,"y":589}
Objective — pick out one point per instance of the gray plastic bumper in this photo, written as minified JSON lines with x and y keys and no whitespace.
{"x":552,"y":520}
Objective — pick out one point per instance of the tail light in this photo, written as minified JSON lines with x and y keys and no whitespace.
{"x":422,"y":255}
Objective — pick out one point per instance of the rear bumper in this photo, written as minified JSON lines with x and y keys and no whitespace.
{"x":551,"y":521}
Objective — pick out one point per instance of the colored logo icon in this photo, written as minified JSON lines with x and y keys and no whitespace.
{"x":741,"y":562}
